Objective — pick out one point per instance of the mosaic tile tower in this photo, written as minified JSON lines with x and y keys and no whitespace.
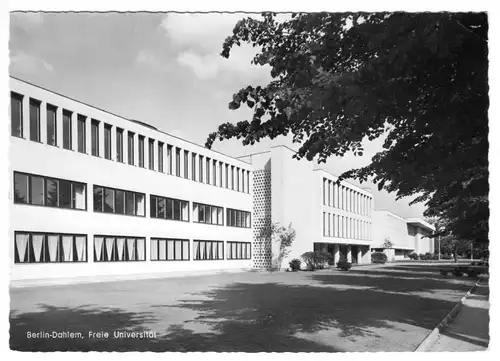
{"x":262,"y":253}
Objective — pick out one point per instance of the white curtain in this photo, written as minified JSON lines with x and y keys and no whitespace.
{"x":178,"y":250}
{"x":79,"y":191}
{"x":140,"y":249}
{"x":109,"y":248}
{"x":185,"y":250}
{"x":215,"y":250}
{"x":98,"y":247}
{"x":209,"y":251}
{"x":249,"y":251}
{"x":219,"y":216}
{"x":120,"y":245}
{"x":81,"y":245}
{"x":21,"y":245}
{"x":214,"y":215}
{"x":37,"y":240}
{"x":196,"y":248}
{"x":67,"y":242}
{"x":244,"y":251}
{"x":195,"y":213}
{"x":185,"y":207}
{"x":233,"y":250}
{"x":139,"y":204}
{"x":154,"y":250}
{"x":221,"y":251}
{"x":53,"y":242}
{"x":163,"y":250}
{"x":170,"y":249}
{"x":131,"y":249}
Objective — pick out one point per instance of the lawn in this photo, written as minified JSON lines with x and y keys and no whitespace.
{"x":371,"y":308}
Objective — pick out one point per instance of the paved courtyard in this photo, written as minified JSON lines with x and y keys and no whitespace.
{"x":370,"y":308}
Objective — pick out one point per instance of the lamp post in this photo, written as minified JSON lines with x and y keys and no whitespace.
{"x":439,"y":248}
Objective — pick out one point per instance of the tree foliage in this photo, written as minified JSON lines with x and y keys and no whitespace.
{"x":341,"y":78}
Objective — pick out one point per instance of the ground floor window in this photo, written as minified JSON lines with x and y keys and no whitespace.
{"x":119,"y":248}
{"x":239,"y":250}
{"x":35,"y":247}
{"x":169,"y":249}
{"x":208,"y":250}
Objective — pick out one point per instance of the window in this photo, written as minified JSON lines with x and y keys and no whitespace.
{"x":130,"y":148}
{"x":51,"y":125}
{"x":232,"y":177}
{"x":208,"y":250}
{"x":207,"y":178}
{"x":186,"y":165}
{"x":248,"y":181}
{"x":237,"y":218}
{"x":107,"y":141}
{"x":151,"y":154}
{"x":16,"y":114}
{"x":200,"y":161}
{"x":329,"y":193}
{"x":160,"y":157}
{"x":141,"y":151}
{"x":169,"y":249}
{"x":67,"y":136}
{"x":177,"y":162}
{"x":94,"y":134}
{"x":243,"y":180}
{"x":49,"y":192}
{"x":193,"y":166}
{"x":227,"y":176}
{"x":36,"y":247}
{"x":118,"y":201}
{"x":220,"y":174}
{"x":237,"y":179}
{"x":119,"y":248}
{"x":169,"y":208}
{"x":214,"y":172}
{"x":119,"y":145}
{"x":169,"y":159}
{"x":324,"y":223}
{"x":205,"y":213}
{"x":239,"y":250}
{"x":34,"y":120}
{"x":82,"y":133}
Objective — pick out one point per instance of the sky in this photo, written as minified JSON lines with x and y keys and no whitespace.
{"x":160,"y":68}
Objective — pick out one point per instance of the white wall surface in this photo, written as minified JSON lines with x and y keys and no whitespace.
{"x":42,"y":159}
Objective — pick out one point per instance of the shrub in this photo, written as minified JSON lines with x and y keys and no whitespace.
{"x":344,"y":265}
{"x":295,"y":264}
{"x":413,"y":256}
{"x":316,"y":259}
{"x":435,"y":257}
{"x":421,"y":256}
{"x":379,"y":257}
{"x":426,"y":257}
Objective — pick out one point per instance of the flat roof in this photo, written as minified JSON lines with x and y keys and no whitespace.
{"x":420,"y":222}
{"x":141,"y":123}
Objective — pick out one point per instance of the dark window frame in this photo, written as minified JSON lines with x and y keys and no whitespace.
{"x":81,"y":145}
{"x":104,"y":236}
{"x":119,"y":145}
{"x":166,"y":240}
{"x":45,"y":178}
{"x":229,"y":218}
{"x":229,"y":255}
{"x":38,"y":105}
{"x":108,"y":146}
{"x":141,"y":150}
{"x":208,"y":205}
{"x":160,"y":157}
{"x":67,"y":114}
{"x":211,"y":241}
{"x":186,"y":164}
{"x":166,"y":199}
{"x":94,"y":137}
{"x":114,"y":201}
{"x":44,"y":250}
{"x":130,"y":148}
{"x":177,"y":162}
{"x":17,"y":131}
{"x":151,"y":154}
{"x":50,"y":107}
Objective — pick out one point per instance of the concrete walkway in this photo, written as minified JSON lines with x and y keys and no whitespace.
{"x":469,"y":331}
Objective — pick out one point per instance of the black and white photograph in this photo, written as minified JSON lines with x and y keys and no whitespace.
{"x":248,"y":181}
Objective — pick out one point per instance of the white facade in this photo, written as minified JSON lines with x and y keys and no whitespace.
{"x":406,"y":235}
{"x":325,"y":216}
{"x":38,"y":158}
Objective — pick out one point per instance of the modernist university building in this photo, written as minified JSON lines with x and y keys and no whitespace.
{"x":96,"y":195}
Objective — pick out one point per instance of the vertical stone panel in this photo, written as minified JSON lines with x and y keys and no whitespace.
{"x":262,"y":252}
